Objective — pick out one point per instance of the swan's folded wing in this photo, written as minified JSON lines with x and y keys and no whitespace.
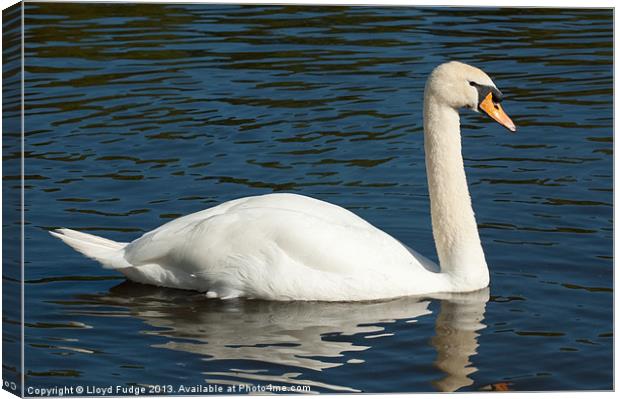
{"x":158,"y":243}
{"x":424,"y":261}
{"x":334,"y":240}
{"x":332,"y":247}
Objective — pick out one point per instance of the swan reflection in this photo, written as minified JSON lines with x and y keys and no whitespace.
{"x":456,"y":331}
{"x":294,"y":333}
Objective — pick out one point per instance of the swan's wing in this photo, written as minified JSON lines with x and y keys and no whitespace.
{"x":156,"y":243}
{"x":427,"y":263}
{"x":302,"y":205}
{"x":269,"y":231}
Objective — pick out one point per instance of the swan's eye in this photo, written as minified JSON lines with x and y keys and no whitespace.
{"x":473,"y":84}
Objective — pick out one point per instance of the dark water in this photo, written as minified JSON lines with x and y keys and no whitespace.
{"x":137,"y":114}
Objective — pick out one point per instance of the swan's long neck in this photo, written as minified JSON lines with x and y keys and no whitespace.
{"x":455,"y":231}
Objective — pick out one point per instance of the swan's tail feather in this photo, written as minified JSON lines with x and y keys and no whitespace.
{"x":110,"y":254}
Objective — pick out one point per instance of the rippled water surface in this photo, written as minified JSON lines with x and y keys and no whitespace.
{"x":137,"y":114}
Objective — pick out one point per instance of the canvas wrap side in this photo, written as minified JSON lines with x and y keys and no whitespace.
{"x":12,"y":188}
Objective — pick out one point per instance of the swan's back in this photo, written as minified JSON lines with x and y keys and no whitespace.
{"x":291,"y":205}
{"x":278,"y":201}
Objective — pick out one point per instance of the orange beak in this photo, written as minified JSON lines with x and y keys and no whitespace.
{"x":495,"y":111}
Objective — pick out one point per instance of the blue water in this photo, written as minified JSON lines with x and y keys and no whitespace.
{"x":137,"y":114}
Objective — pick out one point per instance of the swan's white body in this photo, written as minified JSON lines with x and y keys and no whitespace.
{"x":291,"y":247}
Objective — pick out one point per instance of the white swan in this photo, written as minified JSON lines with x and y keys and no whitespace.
{"x":291,"y":247}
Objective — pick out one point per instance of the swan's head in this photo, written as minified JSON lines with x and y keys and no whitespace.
{"x":460,"y":85}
